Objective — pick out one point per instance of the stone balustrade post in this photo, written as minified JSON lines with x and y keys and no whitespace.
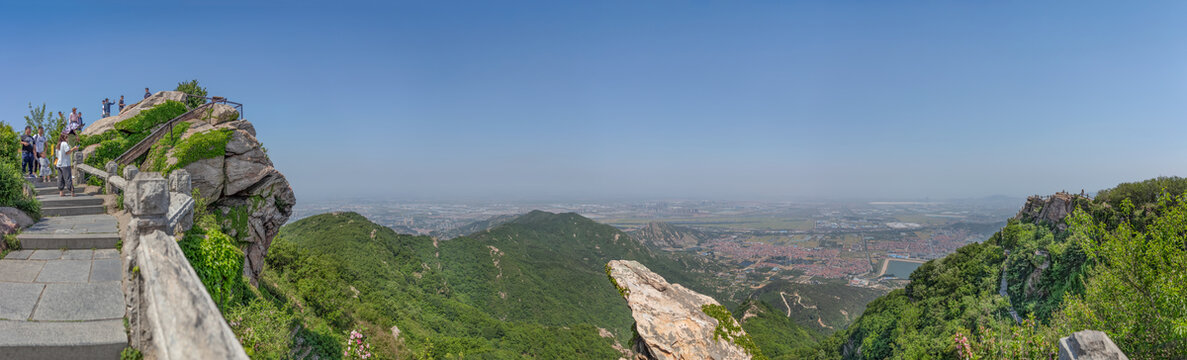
{"x":76,"y":174}
{"x":149,"y":206}
{"x":147,"y":200}
{"x":130,"y":172}
{"x":179,"y":182}
{"x":111,"y":168}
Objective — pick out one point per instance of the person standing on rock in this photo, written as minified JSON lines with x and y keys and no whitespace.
{"x":75,"y":122}
{"x":107,"y":107}
{"x":121,"y":104}
{"x":65,"y":180}
{"x":27,"y":160}
{"x":146,"y":93}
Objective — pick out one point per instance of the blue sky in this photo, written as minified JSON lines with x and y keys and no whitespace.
{"x":646,"y":100}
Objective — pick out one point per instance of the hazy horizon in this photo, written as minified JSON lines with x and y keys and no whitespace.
{"x":655,"y":100}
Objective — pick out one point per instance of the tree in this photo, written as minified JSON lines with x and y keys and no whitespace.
{"x":38,"y":116}
{"x":191,"y":87}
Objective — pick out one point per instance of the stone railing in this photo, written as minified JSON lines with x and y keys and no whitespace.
{"x":170,"y":314}
{"x":181,"y":204}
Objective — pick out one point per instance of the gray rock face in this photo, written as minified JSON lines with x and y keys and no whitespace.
{"x":669,"y":317}
{"x":243,"y":186}
{"x":18,"y":217}
{"x":1051,"y":209}
{"x":207,"y":176}
{"x":1089,"y":345}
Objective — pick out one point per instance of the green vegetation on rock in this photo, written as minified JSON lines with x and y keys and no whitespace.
{"x":129,"y":132}
{"x":217,"y":260}
{"x":203,"y":145}
{"x":729,"y":329}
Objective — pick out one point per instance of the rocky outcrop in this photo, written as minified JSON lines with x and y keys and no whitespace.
{"x":1089,"y":345}
{"x":1051,"y":209}
{"x":672,"y":321}
{"x":108,"y":123}
{"x":665,"y":235}
{"x":241,"y":186}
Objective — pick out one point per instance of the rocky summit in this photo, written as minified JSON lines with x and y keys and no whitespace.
{"x":674,"y":322}
{"x":241,"y":184}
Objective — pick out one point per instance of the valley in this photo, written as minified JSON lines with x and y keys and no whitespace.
{"x":833,"y":256}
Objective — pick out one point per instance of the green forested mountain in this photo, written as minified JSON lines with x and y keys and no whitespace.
{"x":533,"y":287}
{"x":339,"y":271}
{"x":1116,"y":263}
{"x":776,"y":334}
{"x":550,"y":269}
{"x":824,"y":307}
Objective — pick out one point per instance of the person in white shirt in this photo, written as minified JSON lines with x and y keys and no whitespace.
{"x":65,"y":181}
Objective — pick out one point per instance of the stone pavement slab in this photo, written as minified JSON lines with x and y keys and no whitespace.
{"x":104,"y":270}
{"x":65,"y":271}
{"x":20,"y":270}
{"x":107,"y":254}
{"x":74,"y":302}
{"x":46,"y":254}
{"x":18,"y":299}
{"x":19,"y":254}
{"x":78,"y":254}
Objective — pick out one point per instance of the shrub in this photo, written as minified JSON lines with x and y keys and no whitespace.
{"x":262,"y":328}
{"x":12,"y":183}
{"x":218,"y":262}
{"x":191,"y":87}
{"x":131,"y":354}
{"x":10,"y":146}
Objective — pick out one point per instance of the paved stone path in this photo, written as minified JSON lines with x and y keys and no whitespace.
{"x":59,"y":301}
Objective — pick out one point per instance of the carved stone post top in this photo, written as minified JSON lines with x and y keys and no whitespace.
{"x":130,"y":172}
{"x":149,"y":193}
{"x":111,"y":167}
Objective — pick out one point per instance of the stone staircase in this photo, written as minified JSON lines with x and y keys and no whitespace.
{"x":60,"y":296}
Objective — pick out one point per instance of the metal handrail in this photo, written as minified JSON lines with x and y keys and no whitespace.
{"x":219,"y":100}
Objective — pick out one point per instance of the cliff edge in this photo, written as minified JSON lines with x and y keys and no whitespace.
{"x":674,"y":322}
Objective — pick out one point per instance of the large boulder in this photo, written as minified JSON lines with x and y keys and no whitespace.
{"x":18,"y":217}
{"x":671,"y":320}
{"x":108,"y":123}
{"x":1089,"y":345}
{"x":251,"y":198}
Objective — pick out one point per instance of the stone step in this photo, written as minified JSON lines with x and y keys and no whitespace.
{"x":102,"y":339}
{"x":48,"y":190}
{"x":68,"y":241}
{"x":53,"y":200}
{"x":73,"y":210}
